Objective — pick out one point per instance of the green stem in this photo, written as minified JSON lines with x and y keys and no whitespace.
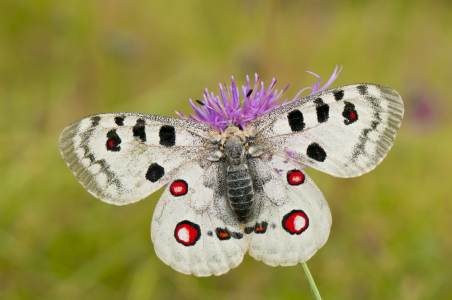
{"x":307,"y":274}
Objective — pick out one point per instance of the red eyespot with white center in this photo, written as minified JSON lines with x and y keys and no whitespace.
{"x":295,"y":222}
{"x":179,"y":188}
{"x":295,"y":177}
{"x":187,"y":233}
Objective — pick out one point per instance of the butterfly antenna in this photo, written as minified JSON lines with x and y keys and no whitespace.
{"x":203,"y":104}
{"x":247,"y":96}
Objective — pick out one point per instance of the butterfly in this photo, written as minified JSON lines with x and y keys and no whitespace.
{"x":239,"y":189}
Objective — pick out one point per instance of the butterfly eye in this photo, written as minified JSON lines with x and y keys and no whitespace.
{"x":221,"y":148}
{"x":246,"y":145}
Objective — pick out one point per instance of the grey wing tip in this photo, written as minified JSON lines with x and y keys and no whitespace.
{"x":389,"y":93}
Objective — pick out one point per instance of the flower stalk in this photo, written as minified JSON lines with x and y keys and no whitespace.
{"x":312,"y":286}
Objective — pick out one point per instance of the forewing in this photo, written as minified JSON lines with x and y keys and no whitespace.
{"x":121,"y":158}
{"x":291,"y":219}
{"x":193,"y":228}
{"x":345,"y":131}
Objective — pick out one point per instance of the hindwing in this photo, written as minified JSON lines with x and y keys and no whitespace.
{"x":291,"y":218}
{"x":193,"y":228}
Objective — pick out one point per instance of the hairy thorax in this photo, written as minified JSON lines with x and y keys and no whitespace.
{"x":234,"y":149}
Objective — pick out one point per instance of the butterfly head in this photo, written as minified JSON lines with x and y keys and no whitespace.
{"x":233,"y":143}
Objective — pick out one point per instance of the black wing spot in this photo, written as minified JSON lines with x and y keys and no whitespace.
{"x":167,"y":136}
{"x":91,"y":158}
{"x":155,"y":172}
{"x":139,"y":130}
{"x":249,"y":230}
{"x":339,"y":95}
{"x":323,"y":113}
{"x":258,"y":228}
{"x":113,"y":141}
{"x":95,"y":121}
{"x":318,"y":101}
{"x":209,"y":233}
{"x":295,"y":118}
{"x":87,"y":153}
{"x":237,"y":235}
{"x":350,"y":114}
{"x":316,"y":152}
{"x":119,"y":121}
{"x":374,"y":124}
{"x":362,"y":90}
{"x":223,"y":234}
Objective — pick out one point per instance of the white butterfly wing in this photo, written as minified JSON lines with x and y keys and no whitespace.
{"x":345,"y":131}
{"x":121,"y":158}
{"x":291,"y":218}
{"x":193,"y":228}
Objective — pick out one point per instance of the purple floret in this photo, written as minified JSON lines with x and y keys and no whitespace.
{"x":240,"y":107}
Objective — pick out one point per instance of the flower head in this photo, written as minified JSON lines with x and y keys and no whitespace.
{"x":241,"y":106}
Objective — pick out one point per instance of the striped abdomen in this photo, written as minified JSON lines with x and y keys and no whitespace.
{"x":240,"y":191}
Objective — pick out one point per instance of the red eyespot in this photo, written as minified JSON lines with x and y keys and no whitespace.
{"x":224,"y":234}
{"x":349,"y":113}
{"x":179,"y":188}
{"x":295,"y":222}
{"x":295,"y":177}
{"x":113,"y":141}
{"x":259,"y":228}
{"x":187,"y":233}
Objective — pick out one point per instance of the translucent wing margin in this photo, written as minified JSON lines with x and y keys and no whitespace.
{"x":345,"y":131}
{"x":121,"y":158}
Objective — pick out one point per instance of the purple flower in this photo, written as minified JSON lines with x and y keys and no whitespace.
{"x":241,"y":106}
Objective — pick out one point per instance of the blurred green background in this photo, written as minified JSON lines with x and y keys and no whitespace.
{"x":61,"y":61}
